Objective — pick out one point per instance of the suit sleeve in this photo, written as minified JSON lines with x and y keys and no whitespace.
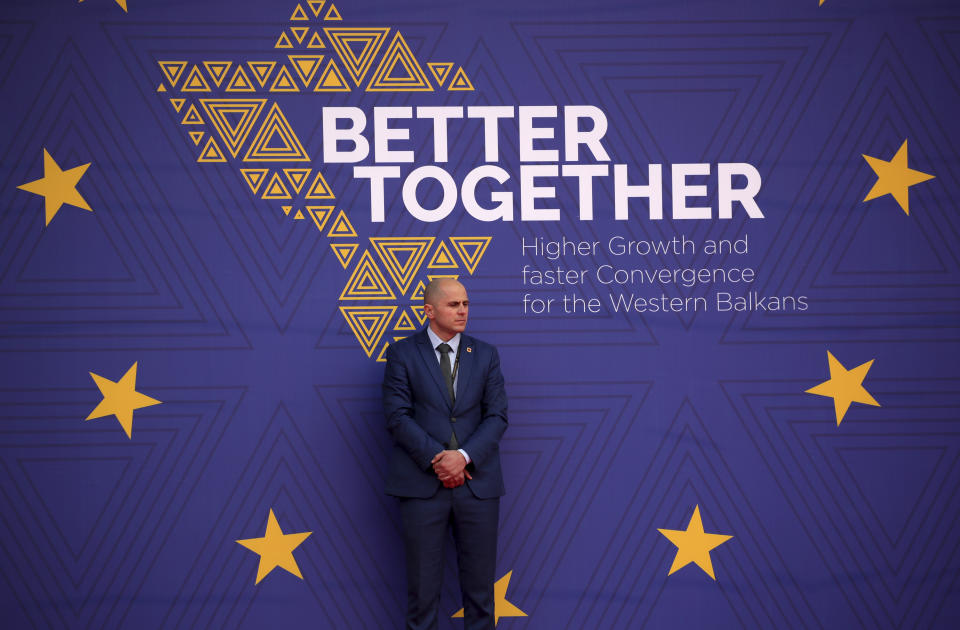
{"x":484,"y":441}
{"x":398,"y":408}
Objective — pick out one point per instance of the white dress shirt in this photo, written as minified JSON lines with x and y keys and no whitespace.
{"x":454,"y":345}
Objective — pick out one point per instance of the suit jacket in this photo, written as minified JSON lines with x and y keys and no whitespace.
{"x":420,"y":415}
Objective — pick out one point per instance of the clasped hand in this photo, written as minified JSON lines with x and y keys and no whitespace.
{"x":450,"y":467}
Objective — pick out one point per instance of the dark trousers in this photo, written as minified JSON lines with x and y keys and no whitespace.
{"x":474,"y":522}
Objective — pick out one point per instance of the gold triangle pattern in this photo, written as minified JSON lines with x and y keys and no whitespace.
{"x":195,"y":82}
{"x":404,"y":323}
{"x":211,"y":152}
{"x":306,"y":66}
{"x":442,"y":258}
{"x":284,"y":82}
{"x":367,"y":282}
{"x":276,"y":189}
{"x":342,"y":228}
{"x":274,"y":128}
{"x":261,"y":70}
{"x":356,"y":47}
{"x":331,"y":80}
{"x":254,"y":177}
{"x":440,"y":70}
{"x":411,"y":77}
{"x":320,"y":215}
{"x":240,"y":82}
{"x":471,"y":249}
{"x":218,"y":70}
{"x":402,"y":256}
{"x":172,"y":70}
{"x":368,"y":323}
{"x":344,"y":252}
{"x":460,"y":82}
{"x":233,"y":118}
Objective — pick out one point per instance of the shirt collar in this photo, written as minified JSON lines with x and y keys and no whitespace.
{"x":436,"y":341}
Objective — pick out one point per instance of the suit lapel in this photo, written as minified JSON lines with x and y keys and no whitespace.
{"x":432,"y":364}
{"x":464,"y":373}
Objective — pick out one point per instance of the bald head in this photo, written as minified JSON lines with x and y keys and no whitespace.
{"x":437,"y":289}
{"x":446,"y":305}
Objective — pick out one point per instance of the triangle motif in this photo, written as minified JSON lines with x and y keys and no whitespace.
{"x":419,"y":313}
{"x":261,"y":70}
{"x":218,"y":70}
{"x":192,"y":117}
{"x":382,"y":357}
{"x":471,"y":249}
{"x":418,"y":292}
{"x":177,"y":103}
{"x":283,"y":42}
{"x":284,"y":82}
{"x":196,"y":136}
{"x":211,"y":152}
{"x":306,"y":66}
{"x":344,"y":252}
{"x":274,"y":128}
{"x":332,"y":80}
{"x":299,"y":32}
{"x":404,"y":322}
{"x":298,"y":216}
{"x":254,"y":177}
{"x":297,"y":177}
{"x":357,"y":47}
{"x":276,"y":189}
{"x":442,"y":258}
{"x":233,"y":118}
{"x":390,"y":249}
{"x":172,"y":70}
{"x":319,"y":188}
{"x":286,"y":210}
{"x":240,"y":82}
{"x":320,"y":215}
{"x":367,"y":282}
{"x":161,"y":88}
{"x":342,"y":228}
{"x":315,"y":41}
{"x":461,"y":82}
{"x":368,"y":323}
{"x":195,"y":82}
{"x":332,"y":14}
{"x":411,"y":77}
{"x":316,"y":6}
{"x":298,"y":14}
{"x":440,"y":70}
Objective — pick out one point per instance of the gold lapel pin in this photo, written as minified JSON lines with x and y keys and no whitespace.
{"x":469,"y":349}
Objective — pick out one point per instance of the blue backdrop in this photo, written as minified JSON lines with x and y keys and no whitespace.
{"x":192,"y":342}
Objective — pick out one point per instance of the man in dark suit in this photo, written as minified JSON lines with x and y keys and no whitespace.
{"x":446,"y":410}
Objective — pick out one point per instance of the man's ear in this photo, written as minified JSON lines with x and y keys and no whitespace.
{"x":428,"y":310}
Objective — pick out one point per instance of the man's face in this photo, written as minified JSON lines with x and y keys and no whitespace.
{"x":448,"y":315}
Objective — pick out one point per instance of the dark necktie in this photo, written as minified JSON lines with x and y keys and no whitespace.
{"x":445,"y":351}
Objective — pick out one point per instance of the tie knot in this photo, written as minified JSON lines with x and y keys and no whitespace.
{"x":444,"y":348}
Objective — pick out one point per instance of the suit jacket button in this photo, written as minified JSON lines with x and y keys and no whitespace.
{"x":453,"y":419}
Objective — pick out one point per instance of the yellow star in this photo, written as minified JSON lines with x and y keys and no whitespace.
{"x":57,"y":186}
{"x":275,"y":549}
{"x":895,"y":177}
{"x":845,"y":386}
{"x":122,"y":3}
{"x":120,"y":399}
{"x":693,"y":545}
{"x":501,"y":607}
